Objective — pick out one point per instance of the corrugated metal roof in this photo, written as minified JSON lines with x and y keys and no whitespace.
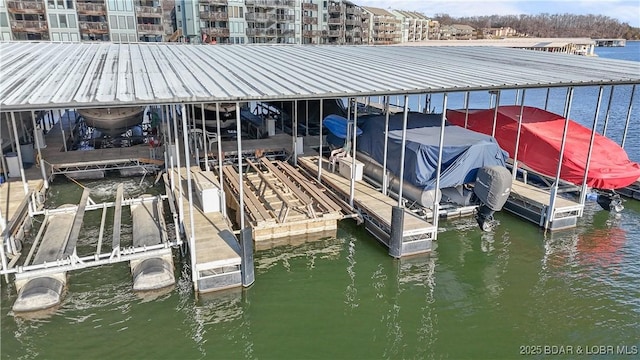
{"x":55,"y":75}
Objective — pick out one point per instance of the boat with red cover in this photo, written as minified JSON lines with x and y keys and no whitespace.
{"x":540,"y":141}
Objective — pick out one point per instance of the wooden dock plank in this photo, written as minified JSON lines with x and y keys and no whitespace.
{"x":539,"y":197}
{"x":370,"y":199}
{"x":316,"y":192}
{"x":214,"y":240}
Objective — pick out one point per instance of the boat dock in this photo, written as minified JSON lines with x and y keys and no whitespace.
{"x":632,"y":191}
{"x":280,"y":201}
{"x":532,"y":203}
{"x":376,"y":210}
{"x":217,"y":251}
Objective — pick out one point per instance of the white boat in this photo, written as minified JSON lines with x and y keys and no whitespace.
{"x":227,"y":115}
{"x":113,"y":121}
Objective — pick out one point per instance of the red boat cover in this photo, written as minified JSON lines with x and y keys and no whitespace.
{"x":540,"y":140}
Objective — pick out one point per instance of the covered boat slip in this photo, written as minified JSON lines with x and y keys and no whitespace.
{"x":216,"y":249}
{"x":376,"y":209}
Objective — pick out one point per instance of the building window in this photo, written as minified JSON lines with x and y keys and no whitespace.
{"x":130,"y":23}
{"x":72,"y":20}
{"x":63,"y":20}
{"x":178,"y":8}
{"x":53,"y":19}
{"x":52,"y":4}
{"x":69,"y":4}
{"x":122,"y":23}
{"x":113,"y":22}
{"x":4,"y":22}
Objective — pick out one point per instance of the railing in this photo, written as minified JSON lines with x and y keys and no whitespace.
{"x":335,"y":33}
{"x":214,"y":15}
{"x":29,"y":25}
{"x":262,"y":17}
{"x":309,"y":20}
{"x":269,"y":32}
{"x":271,"y":3}
{"x":335,"y":9}
{"x":151,"y":28}
{"x":353,"y":22}
{"x":148,"y":11}
{"x":88,"y":8}
{"x":354,"y":10}
{"x":18,"y":6}
{"x":214,"y":2}
{"x":309,"y":6}
{"x":353,"y":33}
{"x":93,"y":26}
{"x":334,"y":21}
{"x":311,"y":33}
{"x":217,"y":32}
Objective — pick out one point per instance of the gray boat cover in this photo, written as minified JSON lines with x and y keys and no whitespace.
{"x":464,"y":151}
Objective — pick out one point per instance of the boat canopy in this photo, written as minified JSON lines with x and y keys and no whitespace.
{"x":463,"y":153}
{"x":540,"y":141}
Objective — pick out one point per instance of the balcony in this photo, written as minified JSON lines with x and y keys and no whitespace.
{"x":25,"y":7}
{"x":262,"y":17}
{"x":90,"y":27}
{"x":352,"y":10}
{"x":156,"y":29}
{"x":214,"y":15}
{"x":270,"y":3}
{"x":335,"y":33}
{"x":148,"y":11}
{"x":353,"y":22}
{"x":216,"y":32}
{"x":309,"y":6}
{"x":308,"y":20}
{"x":335,"y":9}
{"x":334,"y":21}
{"x":91,"y":9}
{"x":269,"y":32}
{"x":214,"y":2}
{"x":354,"y":33}
{"x":29,"y":26}
{"x":311,"y":33}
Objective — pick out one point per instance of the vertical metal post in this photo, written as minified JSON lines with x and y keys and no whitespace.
{"x":554,"y":188}
{"x":385,"y":178}
{"x":402,"y":150}
{"x":306,"y":129}
{"x":515,"y":152}
{"x":546,"y":99}
{"x":466,"y":108}
{"x":221,"y":158}
{"x":626,"y":123}
{"x":25,"y":185}
{"x":246,"y":240}
{"x":192,"y":236}
{"x":436,"y":204}
{"x":606,"y":115}
{"x":192,"y":123}
{"x":320,"y":156}
{"x":171,"y":154}
{"x":517,"y":96}
{"x":294,"y":133}
{"x":495,"y":114}
{"x":64,"y":138}
{"x":205,"y":138}
{"x":419,"y":103}
{"x":37,"y":142}
{"x":352,"y":189}
{"x":179,"y":179}
{"x":583,"y":189}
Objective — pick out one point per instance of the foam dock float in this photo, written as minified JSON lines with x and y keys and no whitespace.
{"x":155,"y":272}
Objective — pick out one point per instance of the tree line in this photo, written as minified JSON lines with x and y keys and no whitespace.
{"x":550,"y":25}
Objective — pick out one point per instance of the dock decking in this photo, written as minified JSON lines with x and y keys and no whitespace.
{"x":531,"y":203}
{"x":217,"y":250}
{"x":376,"y":208}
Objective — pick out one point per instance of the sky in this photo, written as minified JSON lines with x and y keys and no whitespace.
{"x":626,"y":11}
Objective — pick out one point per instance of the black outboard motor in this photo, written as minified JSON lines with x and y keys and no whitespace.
{"x":493,"y":185}
{"x":610,"y":201}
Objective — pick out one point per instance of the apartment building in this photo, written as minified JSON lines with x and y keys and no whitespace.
{"x":344,"y":23}
{"x":381,"y":27}
{"x":87,"y":20}
{"x":414,"y":25}
{"x":458,"y":32}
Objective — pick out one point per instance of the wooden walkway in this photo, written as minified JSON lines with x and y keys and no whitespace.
{"x":280,"y":201}
{"x":216,"y":247}
{"x":15,"y":203}
{"x":376,"y":208}
{"x":531,"y":203}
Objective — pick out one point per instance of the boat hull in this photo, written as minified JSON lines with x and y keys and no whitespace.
{"x":112,"y":121}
